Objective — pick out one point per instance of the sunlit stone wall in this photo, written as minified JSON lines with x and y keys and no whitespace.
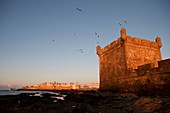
{"x":121,"y":58}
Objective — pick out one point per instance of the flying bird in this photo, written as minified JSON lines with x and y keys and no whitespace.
{"x":97,"y":35}
{"x":53,"y":40}
{"x":120,"y":24}
{"x":78,"y":9}
{"x":80,"y":50}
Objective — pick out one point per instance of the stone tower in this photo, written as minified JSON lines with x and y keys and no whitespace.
{"x":120,"y":58}
{"x":123,"y":33}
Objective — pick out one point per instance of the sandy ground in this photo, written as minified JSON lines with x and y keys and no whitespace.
{"x":84,"y":102}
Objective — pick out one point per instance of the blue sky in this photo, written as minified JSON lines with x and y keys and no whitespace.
{"x":28,"y":54}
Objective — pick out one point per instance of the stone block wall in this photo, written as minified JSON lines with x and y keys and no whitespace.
{"x":164,"y":65}
{"x":121,"y":58}
{"x":144,"y":69}
{"x":149,"y":80}
{"x":139,"y":52}
{"x":111,"y":63}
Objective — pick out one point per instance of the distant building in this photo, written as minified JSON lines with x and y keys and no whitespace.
{"x":62,"y":86}
{"x":91,"y":86}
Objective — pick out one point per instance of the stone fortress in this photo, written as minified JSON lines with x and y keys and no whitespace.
{"x":133,"y":65}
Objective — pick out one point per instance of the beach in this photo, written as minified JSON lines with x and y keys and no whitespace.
{"x":83,"y":102}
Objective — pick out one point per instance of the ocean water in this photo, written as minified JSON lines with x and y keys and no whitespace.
{"x":33,"y":93}
{"x":13,"y":92}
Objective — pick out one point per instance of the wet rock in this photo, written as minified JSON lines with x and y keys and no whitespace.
{"x":148,"y":104}
{"x":84,"y":102}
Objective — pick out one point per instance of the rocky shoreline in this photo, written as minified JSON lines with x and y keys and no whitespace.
{"x":83,"y":102}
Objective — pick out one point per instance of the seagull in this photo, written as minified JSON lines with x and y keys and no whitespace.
{"x":80,"y":50}
{"x":97,"y":35}
{"x":120,"y":24}
{"x":78,"y":9}
{"x":125,"y":21}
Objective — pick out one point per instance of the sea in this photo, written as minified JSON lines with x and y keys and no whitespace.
{"x":33,"y":93}
{"x":15,"y":92}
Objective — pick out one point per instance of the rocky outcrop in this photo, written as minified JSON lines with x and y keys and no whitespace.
{"x":84,"y":102}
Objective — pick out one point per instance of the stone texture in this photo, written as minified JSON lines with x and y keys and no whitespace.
{"x":142,"y":70}
{"x":164,"y":65}
{"x":127,"y":59}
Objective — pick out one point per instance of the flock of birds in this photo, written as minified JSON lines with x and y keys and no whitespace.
{"x":96,"y":34}
{"x":121,"y":24}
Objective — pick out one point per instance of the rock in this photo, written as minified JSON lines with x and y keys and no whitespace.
{"x":147,"y":104}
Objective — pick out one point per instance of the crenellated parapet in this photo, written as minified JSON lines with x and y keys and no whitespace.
{"x":115,"y":44}
{"x":129,"y":40}
{"x":136,"y":41}
{"x":143,"y":42}
{"x":98,"y":50}
{"x":163,"y":66}
{"x":158,"y":41}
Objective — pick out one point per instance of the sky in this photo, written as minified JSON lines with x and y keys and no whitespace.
{"x":40,"y":40}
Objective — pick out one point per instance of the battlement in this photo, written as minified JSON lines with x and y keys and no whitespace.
{"x":143,"y":42}
{"x":115,"y":44}
{"x":163,"y":66}
{"x":129,"y":40}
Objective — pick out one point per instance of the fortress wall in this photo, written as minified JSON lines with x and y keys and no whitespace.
{"x":120,"y":58}
{"x":111,"y":63}
{"x":149,"y":80}
{"x":139,"y":52}
{"x":123,"y":62}
{"x":157,"y":83}
{"x":138,"y":55}
{"x":142,"y":70}
{"x":164,"y":65}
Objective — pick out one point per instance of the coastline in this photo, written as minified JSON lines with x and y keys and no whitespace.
{"x":91,"y":101}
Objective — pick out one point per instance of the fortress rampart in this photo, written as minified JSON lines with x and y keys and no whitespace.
{"x":147,"y":80}
{"x":129,"y":58}
{"x":135,"y":41}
